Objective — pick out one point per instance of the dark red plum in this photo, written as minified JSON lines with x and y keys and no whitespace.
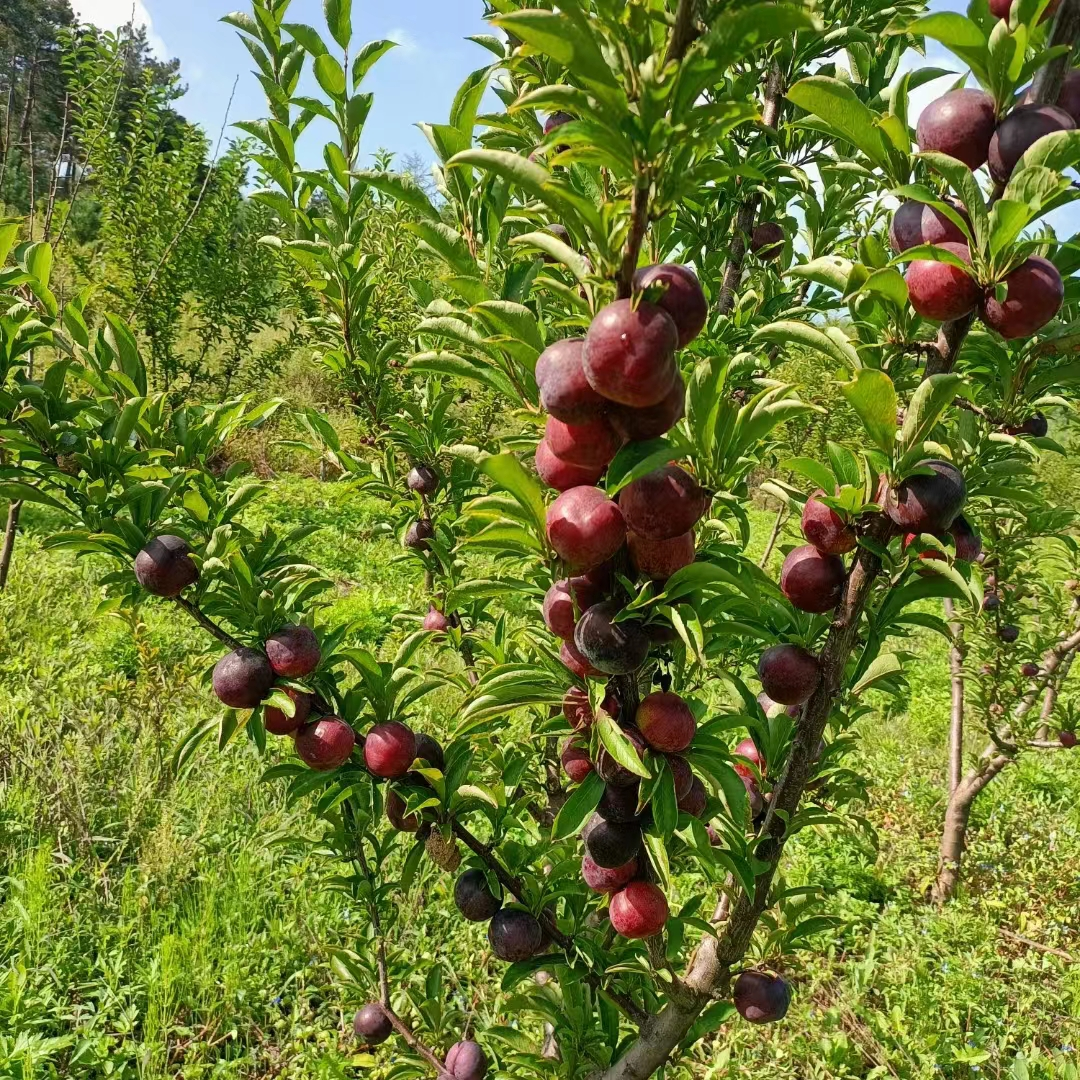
{"x":620,"y":804}
{"x":941,"y":291}
{"x":966,"y":541}
{"x":585,"y":527}
{"x":1008,"y":633}
{"x":611,"y":772}
{"x":681,"y":774}
{"x":826,"y":529}
{"x":616,"y":648}
{"x":811,"y":581}
{"x":575,"y":759}
{"x":916,"y":223}
{"x":961,"y":124}
{"x":611,"y":844}
{"x":666,"y":722}
{"x":466,"y":1060}
{"x":389,"y":750}
{"x":277,"y":723}
{"x":325,"y":744}
{"x":683,"y":298}
{"x":652,"y":421}
{"x":565,"y":393}
{"x":165,"y":566}
{"x":748,"y":749}
{"x":663,"y":504}
{"x":514,"y":935}
{"x":473,"y":897}
{"x":577,"y":663}
{"x":559,"y":604}
{"x":761,"y":998}
{"x":630,"y":353}
{"x":372,"y":1024}
{"x":397,"y":816}
{"x":928,"y":502}
{"x":591,"y":444}
{"x":1034,"y":294}
{"x":293,"y":651}
{"x":695,"y":800}
{"x":789,"y":674}
{"x":436,"y":621}
{"x":556,"y":120}
{"x":767,"y":240}
{"x":243,"y":678}
{"x":639,"y":910}
{"x":1019,"y":131}
{"x":1067,"y":739}
{"x":418,"y":535}
{"x":422,"y":479}
{"x":561,"y":475}
{"x":659,"y":559}
{"x":603,"y":880}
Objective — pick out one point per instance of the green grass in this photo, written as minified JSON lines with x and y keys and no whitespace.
{"x":156,"y":927}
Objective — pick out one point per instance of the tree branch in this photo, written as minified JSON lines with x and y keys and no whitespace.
{"x":207,"y":624}
{"x":1065,"y":31}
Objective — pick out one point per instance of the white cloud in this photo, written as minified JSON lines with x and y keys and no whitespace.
{"x":407,"y":44}
{"x":110,"y":14}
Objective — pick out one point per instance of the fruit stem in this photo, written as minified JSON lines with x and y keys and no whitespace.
{"x":207,"y":624}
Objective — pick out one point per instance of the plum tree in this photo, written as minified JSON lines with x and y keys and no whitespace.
{"x":659,"y":559}
{"x":1019,"y":131}
{"x":826,"y":529}
{"x":514,"y":935}
{"x":940,"y":290}
{"x":603,"y":880}
{"x":629,"y":353}
{"x":562,"y":475}
{"x":811,"y":580}
{"x":474,"y":898}
{"x":293,"y":651}
{"x":389,"y":750}
{"x":916,"y":223}
{"x":585,"y":527}
{"x":466,"y":1060}
{"x":789,"y":674}
{"x":666,"y":722}
{"x":243,"y":678}
{"x":591,"y":444}
{"x":928,"y":501}
{"x":1034,"y":293}
{"x":325,"y":744}
{"x":565,"y":392}
{"x":663,"y":504}
{"x":961,"y":124}
{"x":164,"y":567}
{"x":575,"y":759}
{"x":372,"y":1024}
{"x":639,"y":910}
{"x":760,"y":997}
{"x":615,"y":648}
{"x":611,"y":844}
{"x":277,"y":722}
{"x":422,"y":479}
{"x":652,"y":421}
{"x":682,"y":297}
{"x":767,"y":240}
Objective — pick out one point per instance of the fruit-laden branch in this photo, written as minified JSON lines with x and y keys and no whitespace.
{"x":1045,"y":90}
{"x":208,"y":625}
{"x":633,"y":1012}
{"x":711,"y":969}
{"x":744,"y":219}
{"x":992,"y":761}
{"x":384,"y":979}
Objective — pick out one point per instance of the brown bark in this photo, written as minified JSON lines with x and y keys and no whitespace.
{"x":10,"y":532}
{"x":956,"y":717}
{"x":1065,"y":31}
{"x":744,"y":219}
{"x":778,"y":524}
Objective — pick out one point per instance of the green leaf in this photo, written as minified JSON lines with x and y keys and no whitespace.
{"x":330,"y":76}
{"x":578,"y":808}
{"x":658,"y":856}
{"x":402,"y":188}
{"x":960,"y":35}
{"x":1058,"y":151}
{"x":15,"y":491}
{"x":963,"y":183}
{"x":620,"y":747}
{"x":789,"y":331}
{"x":872,"y":395}
{"x":367,"y":57}
{"x":664,"y":806}
{"x":467,"y":101}
{"x":511,"y":476}
{"x":932,"y":398}
{"x":557,"y":249}
{"x":567,"y":40}
{"x":883,"y":666}
{"x":307,"y":36}
{"x":836,"y":103}
{"x":636,"y":459}
{"x":339,"y":18}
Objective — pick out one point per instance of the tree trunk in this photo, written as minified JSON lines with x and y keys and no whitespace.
{"x":956,"y":719}
{"x":14,"y":509}
{"x":954,"y":835}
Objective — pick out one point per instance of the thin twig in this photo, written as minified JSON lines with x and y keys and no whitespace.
{"x":1049,"y":949}
{"x":207,"y":624}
